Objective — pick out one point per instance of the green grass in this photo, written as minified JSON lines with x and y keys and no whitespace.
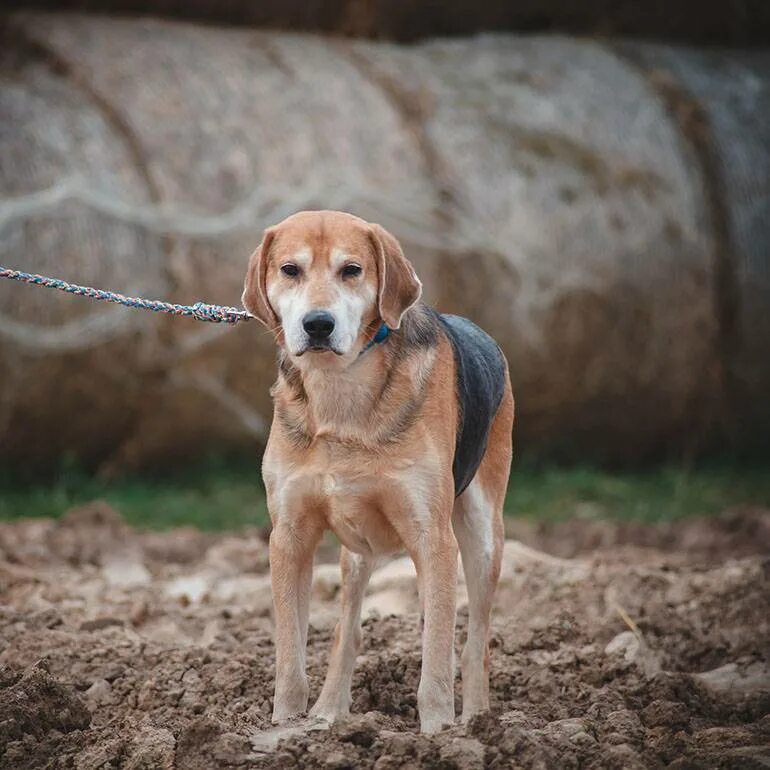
{"x":227,"y":496}
{"x":212,"y":497}
{"x":654,"y":495}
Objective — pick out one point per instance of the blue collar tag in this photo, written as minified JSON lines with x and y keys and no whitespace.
{"x":382,"y":334}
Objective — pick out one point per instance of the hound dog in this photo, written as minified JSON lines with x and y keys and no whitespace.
{"x":392,"y":427}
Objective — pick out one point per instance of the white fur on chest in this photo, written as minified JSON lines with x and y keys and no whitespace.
{"x":341,"y":404}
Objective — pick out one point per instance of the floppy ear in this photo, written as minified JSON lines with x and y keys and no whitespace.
{"x":254,"y":296}
{"x":400,"y":287}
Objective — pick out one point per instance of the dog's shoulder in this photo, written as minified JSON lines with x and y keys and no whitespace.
{"x":421,"y":328}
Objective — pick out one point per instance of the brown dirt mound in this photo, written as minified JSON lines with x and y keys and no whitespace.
{"x":649,"y":647}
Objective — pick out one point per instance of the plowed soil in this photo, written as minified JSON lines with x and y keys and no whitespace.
{"x":613,"y":646}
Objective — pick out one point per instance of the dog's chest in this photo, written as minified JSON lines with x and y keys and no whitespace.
{"x":352,"y":506}
{"x":360,"y":502}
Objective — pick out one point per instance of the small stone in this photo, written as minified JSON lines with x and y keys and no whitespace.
{"x":576,"y":731}
{"x":126,"y":571}
{"x":624,"y":724}
{"x":360,"y":729}
{"x":465,"y":753}
{"x":623,"y":757}
{"x":516,"y":717}
{"x":189,"y":589}
{"x":113,"y":671}
{"x":665,"y":713}
{"x":97,"y":624}
{"x":231,"y":749}
{"x":388,"y":762}
{"x":398,"y":744}
{"x":139,"y":612}
{"x":337,"y":759}
{"x":153,"y":749}
{"x":100,"y":692}
{"x":626,"y":645}
{"x":751,"y":678}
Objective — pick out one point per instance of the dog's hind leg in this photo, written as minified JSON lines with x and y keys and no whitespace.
{"x":334,"y":700}
{"x":478,"y":529}
{"x":477,"y":520}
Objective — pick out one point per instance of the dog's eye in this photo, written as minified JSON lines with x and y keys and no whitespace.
{"x":290,"y":269}
{"x":349,"y":271}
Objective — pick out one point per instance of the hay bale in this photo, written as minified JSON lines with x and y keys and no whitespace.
{"x":545,"y":187}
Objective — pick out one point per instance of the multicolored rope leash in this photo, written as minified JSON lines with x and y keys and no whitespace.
{"x":201,"y":311}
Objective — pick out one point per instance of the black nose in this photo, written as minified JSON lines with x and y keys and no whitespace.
{"x":318,"y":324}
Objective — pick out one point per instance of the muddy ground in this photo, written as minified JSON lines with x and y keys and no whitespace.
{"x":613,"y":646}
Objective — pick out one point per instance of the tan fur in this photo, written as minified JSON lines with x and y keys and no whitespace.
{"x":364,"y":446}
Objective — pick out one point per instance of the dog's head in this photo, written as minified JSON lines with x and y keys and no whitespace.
{"x":324,"y":281}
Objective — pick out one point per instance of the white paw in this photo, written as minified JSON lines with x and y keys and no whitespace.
{"x":327,"y":713}
{"x":432,"y":724}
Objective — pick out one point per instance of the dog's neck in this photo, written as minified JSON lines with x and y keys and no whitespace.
{"x":327,"y":403}
{"x":366,"y":403}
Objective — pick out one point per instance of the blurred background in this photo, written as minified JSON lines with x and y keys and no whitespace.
{"x":589,"y":182}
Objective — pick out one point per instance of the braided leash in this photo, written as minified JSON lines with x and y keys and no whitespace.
{"x":201,"y":311}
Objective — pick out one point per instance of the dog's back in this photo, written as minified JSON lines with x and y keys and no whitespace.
{"x":480,"y":369}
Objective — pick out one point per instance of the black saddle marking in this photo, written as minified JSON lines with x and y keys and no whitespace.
{"x":480,"y":385}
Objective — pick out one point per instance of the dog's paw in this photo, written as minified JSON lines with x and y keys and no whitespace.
{"x":327,"y":713}
{"x":435,"y":704}
{"x":291,"y":696}
{"x":287,"y":716}
{"x":433,"y":726}
{"x":285,"y":712}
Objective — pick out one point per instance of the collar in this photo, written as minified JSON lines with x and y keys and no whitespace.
{"x":382,"y":334}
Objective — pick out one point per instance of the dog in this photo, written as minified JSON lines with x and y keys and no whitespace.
{"x":392,"y":427}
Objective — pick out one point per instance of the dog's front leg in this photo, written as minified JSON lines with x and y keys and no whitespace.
{"x":291,"y":573}
{"x":334,"y":700}
{"x":436,"y":561}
